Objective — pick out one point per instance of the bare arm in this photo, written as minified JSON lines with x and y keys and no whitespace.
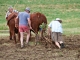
{"x":29,"y":22}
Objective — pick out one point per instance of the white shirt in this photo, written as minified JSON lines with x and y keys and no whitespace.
{"x":56,"y":26}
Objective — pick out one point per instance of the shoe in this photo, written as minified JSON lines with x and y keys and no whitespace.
{"x":62,"y":45}
{"x":22,"y":46}
{"x":26,"y":44}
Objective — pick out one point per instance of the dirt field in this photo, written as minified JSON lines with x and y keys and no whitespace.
{"x":11,"y":51}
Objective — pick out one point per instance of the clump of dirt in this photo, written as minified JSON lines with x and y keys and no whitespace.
{"x":11,"y":51}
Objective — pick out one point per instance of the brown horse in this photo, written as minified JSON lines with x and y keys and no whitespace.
{"x":36,"y":20}
{"x":12,"y":29}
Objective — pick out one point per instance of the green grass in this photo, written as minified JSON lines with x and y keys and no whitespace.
{"x":67,"y":10}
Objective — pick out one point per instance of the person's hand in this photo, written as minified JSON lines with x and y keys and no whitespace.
{"x":30,"y":27}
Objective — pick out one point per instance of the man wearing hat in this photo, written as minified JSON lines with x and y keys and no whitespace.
{"x":55,"y":28}
{"x":24,"y":24}
{"x":10,"y":10}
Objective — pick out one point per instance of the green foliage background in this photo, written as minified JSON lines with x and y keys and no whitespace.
{"x":67,"y":10}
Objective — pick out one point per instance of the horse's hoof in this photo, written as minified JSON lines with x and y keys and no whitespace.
{"x":35,"y":44}
{"x":10,"y":38}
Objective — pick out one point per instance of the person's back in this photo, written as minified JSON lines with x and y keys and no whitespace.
{"x":23,"y":18}
{"x":24,"y":25}
{"x":56,"y":26}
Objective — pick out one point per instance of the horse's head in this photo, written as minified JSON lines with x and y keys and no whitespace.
{"x":12,"y":15}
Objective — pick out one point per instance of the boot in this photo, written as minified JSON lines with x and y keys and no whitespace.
{"x":62,"y":45}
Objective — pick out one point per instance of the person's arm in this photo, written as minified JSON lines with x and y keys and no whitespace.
{"x":49,"y":29}
{"x":29,"y":22}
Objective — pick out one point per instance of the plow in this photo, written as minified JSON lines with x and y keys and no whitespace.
{"x":44,"y":37}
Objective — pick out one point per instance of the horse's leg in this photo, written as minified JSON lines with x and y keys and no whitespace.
{"x":14,"y":36}
{"x":18,"y":36}
{"x":41,"y":34}
{"x":36,"y":38}
{"x":10,"y":35}
{"x":30,"y":36}
{"x":43,"y":37}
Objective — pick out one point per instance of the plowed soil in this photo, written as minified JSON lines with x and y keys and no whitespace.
{"x":11,"y":51}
